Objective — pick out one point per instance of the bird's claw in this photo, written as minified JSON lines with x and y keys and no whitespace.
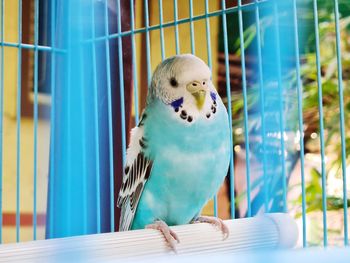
{"x":169,"y":235}
{"x":217,"y":222}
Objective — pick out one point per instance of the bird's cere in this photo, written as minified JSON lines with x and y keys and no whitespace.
{"x":199,"y":91}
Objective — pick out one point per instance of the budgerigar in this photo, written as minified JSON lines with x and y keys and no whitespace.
{"x":179,"y":152}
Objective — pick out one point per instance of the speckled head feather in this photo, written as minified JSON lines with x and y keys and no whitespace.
{"x":173,"y":74}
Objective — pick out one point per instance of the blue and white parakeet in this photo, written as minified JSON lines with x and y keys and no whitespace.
{"x":179,"y":153}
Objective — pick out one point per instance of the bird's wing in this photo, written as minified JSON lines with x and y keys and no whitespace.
{"x":136,"y":173}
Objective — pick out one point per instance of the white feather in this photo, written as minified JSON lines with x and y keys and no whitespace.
{"x":134,"y":146}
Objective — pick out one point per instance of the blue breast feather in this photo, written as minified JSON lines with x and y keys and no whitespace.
{"x":190,"y":162}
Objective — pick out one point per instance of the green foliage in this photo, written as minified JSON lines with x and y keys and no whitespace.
{"x":330,"y":92}
{"x":330,"y":86}
{"x":314,"y":196}
{"x":250,"y":33}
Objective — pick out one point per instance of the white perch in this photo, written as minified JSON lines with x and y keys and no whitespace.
{"x":265,"y":231}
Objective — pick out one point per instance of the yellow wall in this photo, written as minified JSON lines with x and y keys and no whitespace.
{"x":26,"y":140}
{"x":10,"y":57}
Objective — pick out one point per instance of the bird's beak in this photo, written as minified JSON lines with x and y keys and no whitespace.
{"x":198,"y":91}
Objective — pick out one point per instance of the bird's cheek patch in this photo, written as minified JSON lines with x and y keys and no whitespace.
{"x":176,"y":104}
{"x":213,"y":95}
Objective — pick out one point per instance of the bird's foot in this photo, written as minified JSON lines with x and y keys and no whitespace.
{"x":219,"y":223}
{"x":169,"y":235}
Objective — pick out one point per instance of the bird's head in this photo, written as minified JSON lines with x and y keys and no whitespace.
{"x":184,"y":80}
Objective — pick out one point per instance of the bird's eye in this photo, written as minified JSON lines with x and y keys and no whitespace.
{"x":203,"y":83}
{"x":173,"y":82}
